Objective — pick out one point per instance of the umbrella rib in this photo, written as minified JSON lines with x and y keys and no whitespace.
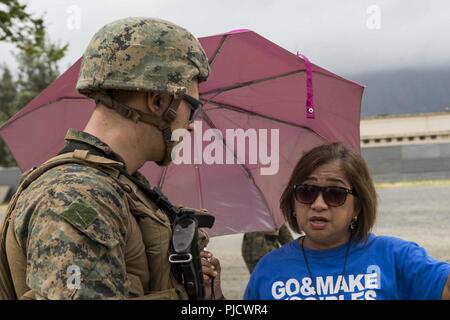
{"x":200,"y":189}
{"x":256,"y":81}
{"x":219,"y":47}
{"x":162,"y":178}
{"x":212,"y":125}
{"x":237,"y":109}
{"x":283,"y":157}
{"x":242,"y":166}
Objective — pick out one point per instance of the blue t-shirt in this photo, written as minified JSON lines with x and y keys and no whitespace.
{"x":381,"y":268}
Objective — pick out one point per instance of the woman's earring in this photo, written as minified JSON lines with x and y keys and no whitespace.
{"x":354,"y":223}
{"x":294,"y":214}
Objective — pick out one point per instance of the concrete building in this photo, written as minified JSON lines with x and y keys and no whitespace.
{"x":407,"y":147}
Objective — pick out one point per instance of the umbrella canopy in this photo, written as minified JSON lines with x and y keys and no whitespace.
{"x":254,"y":85}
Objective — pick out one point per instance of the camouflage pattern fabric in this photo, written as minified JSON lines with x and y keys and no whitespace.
{"x":255,"y":245}
{"x":71,"y":223}
{"x":284,"y":235}
{"x":142,"y":54}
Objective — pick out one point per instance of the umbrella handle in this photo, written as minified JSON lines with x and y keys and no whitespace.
{"x":310,"y":111}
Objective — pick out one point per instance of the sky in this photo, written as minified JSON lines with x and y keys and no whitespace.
{"x":345,"y":37}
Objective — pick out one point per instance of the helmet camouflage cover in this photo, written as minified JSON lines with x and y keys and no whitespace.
{"x":142,"y":54}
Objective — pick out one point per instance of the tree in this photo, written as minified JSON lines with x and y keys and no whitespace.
{"x":37,"y":58}
{"x":38,"y":67}
{"x":8,"y":97}
{"x":19,"y":27}
{"x":8,"y":94}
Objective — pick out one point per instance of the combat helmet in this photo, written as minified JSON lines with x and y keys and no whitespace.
{"x":142,"y":54}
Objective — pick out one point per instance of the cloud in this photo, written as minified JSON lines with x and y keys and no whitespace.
{"x":333,"y":34}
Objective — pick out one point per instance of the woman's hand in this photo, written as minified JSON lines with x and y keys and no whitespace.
{"x":211,"y":275}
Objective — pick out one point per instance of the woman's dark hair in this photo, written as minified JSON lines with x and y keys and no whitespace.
{"x":355,"y":170}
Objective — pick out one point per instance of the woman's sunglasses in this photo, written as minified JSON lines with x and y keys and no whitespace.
{"x":195,"y":105}
{"x":333,"y":196}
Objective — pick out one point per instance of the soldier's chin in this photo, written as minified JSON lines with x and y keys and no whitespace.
{"x":163,"y":163}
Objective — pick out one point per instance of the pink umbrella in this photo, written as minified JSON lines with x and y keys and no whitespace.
{"x":254,"y":84}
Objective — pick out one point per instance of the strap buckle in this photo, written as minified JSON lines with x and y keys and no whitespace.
{"x":180,"y":258}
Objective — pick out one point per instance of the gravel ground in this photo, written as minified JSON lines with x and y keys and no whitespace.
{"x":414,"y":211}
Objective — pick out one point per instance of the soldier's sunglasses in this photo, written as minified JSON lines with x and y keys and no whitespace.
{"x":333,"y":196}
{"x":195,"y":105}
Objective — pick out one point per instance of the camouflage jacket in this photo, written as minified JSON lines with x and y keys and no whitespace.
{"x":255,"y":245}
{"x":79,"y":238}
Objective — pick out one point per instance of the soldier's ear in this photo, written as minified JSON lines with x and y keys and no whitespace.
{"x":158,"y":102}
{"x":154,"y":102}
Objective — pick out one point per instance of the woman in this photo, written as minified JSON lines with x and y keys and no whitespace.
{"x":332,"y":200}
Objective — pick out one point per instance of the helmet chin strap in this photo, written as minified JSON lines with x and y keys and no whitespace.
{"x":169,"y":116}
{"x":162,"y":124}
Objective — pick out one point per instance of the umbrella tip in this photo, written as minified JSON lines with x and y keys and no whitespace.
{"x":238,"y":31}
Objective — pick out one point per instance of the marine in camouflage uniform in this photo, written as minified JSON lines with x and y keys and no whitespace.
{"x":255,"y":245}
{"x":78,"y":229}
